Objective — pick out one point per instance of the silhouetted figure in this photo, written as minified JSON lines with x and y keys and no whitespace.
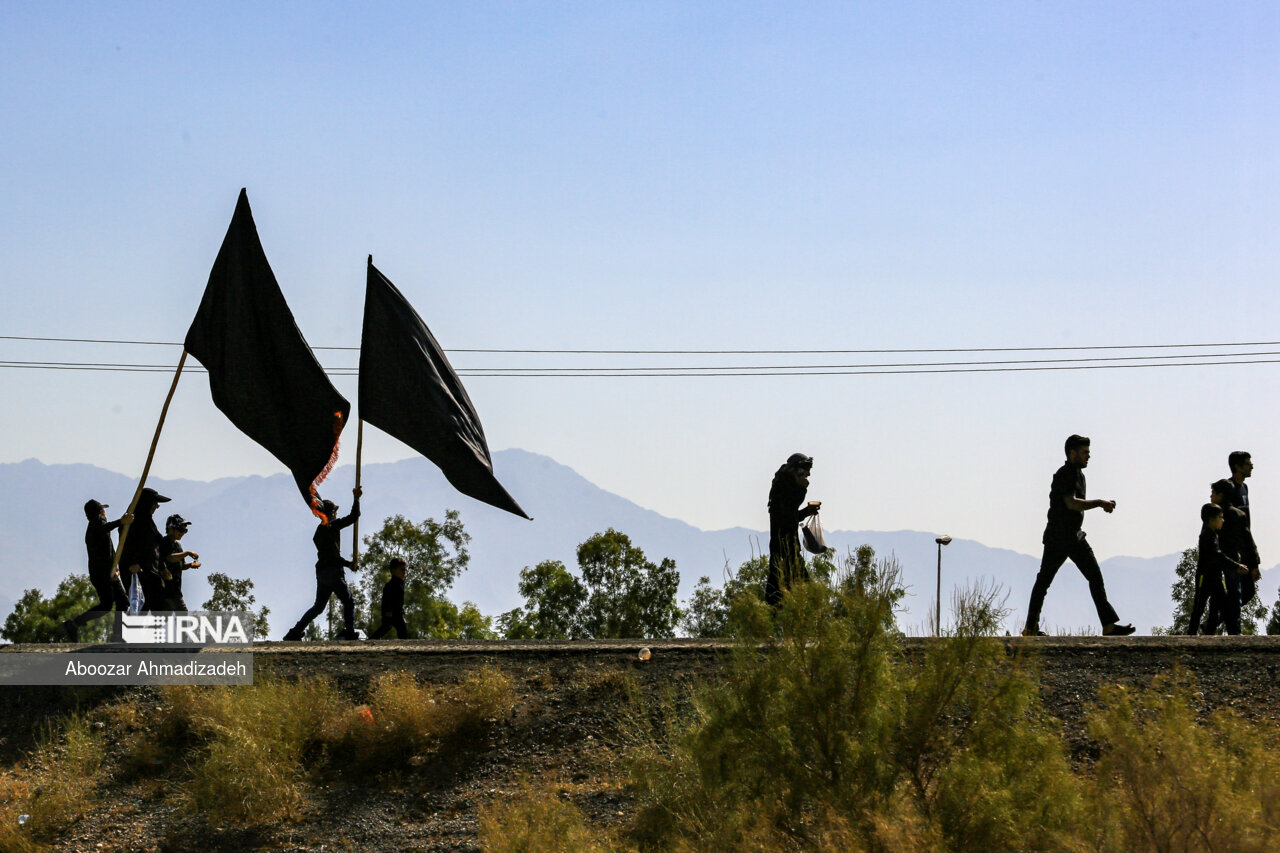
{"x":1233,"y":538}
{"x":106,"y":583}
{"x":330,"y":579}
{"x":1212,"y":566}
{"x":173,"y":560}
{"x":1246,"y":549}
{"x":786,"y":495}
{"x":393,"y":603}
{"x":141,"y":557}
{"x":1064,"y":539}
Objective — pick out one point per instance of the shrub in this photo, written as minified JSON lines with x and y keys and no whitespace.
{"x":539,"y":822}
{"x":248,"y":769}
{"x":824,"y":737}
{"x":406,"y":718}
{"x":1166,"y":782}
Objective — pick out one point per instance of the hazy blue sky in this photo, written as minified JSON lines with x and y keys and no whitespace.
{"x":678,"y":176}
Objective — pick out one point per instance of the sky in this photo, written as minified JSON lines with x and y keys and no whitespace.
{"x":676,"y":176}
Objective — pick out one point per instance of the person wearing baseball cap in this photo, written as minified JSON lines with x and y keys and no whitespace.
{"x":141,"y":555}
{"x":173,"y":561}
{"x":97,"y":541}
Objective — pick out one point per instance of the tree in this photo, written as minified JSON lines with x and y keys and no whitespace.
{"x":620,"y":594}
{"x":435,"y":554}
{"x":231,"y":595}
{"x":554,"y":599}
{"x":1184,"y":591}
{"x":706,"y":614}
{"x":36,"y":619}
{"x":627,"y":595}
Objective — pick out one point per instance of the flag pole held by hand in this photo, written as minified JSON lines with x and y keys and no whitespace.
{"x":146,"y":469}
{"x":355,"y":526}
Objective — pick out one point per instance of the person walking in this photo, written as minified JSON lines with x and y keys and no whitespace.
{"x":1241,"y":464}
{"x":141,"y":556}
{"x":1212,"y":567}
{"x":786,"y":494}
{"x":393,"y":602}
{"x":330,"y":563}
{"x":173,"y":559}
{"x":106,"y":583}
{"x":1064,"y":540}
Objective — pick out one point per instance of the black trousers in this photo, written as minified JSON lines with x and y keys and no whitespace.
{"x":110,"y":594}
{"x":1211,"y":590}
{"x":786,"y":562}
{"x":389,"y":621}
{"x":153,"y":591}
{"x":326,"y":587}
{"x":1057,"y":550}
{"x":1232,"y":601}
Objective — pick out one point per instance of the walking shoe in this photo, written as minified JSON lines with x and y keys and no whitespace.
{"x":1117,"y":630}
{"x":349,"y":634}
{"x":73,"y":630}
{"x":1033,"y":632}
{"x":293,"y":635}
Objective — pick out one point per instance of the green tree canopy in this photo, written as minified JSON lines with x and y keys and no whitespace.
{"x":36,"y":619}
{"x":620,"y":594}
{"x":436,"y":555}
{"x":231,"y":595}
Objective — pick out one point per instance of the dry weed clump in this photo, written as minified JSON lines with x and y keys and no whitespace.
{"x":405,"y":719}
{"x":55,"y":790}
{"x":247,"y":767}
{"x":540,"y":822}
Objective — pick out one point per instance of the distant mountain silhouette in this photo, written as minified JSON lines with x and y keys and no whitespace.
{"x":256,"y":527}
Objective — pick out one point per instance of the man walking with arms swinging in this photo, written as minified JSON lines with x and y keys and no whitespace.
{"x":1064,"y":539}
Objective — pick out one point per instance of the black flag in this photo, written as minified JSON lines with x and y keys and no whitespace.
{"x":409,"y":390}
{"x":262,"y":374}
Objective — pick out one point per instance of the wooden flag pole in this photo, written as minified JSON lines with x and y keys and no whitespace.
{"x":355,"y":526}
{"x":146,"y":469}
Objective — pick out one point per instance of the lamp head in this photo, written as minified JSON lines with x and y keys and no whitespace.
{"x":943,"y":540}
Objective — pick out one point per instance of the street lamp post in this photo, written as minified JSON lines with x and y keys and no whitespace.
{"x":937,"y":630}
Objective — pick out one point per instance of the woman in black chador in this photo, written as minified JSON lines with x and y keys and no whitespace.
{"x":786,"y":496}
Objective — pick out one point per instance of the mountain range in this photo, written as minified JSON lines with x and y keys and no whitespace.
{"x":257,"y":527}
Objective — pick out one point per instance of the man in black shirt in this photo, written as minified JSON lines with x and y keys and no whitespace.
{"x":1247,"y":584}
{"x":786,"y":494}
{"x":1064,"y":539}
{"x":141,"y":555}
{"x":97,"y":541}
{"x":393,"y":602}
{"x":330,"y":580}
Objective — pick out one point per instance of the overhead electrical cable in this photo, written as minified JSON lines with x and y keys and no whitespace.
{"x":549,"y":351}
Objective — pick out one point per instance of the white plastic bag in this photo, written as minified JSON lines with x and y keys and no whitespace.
{"x":811,"y":532}
{"x":136,"y":598}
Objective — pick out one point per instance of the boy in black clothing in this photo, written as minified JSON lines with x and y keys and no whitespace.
{"x":393,"y":603}
{"x":97,"y":541}
{"x":174,"y":560}
{"x":330,"y":580}
{"x":1212,"y":567}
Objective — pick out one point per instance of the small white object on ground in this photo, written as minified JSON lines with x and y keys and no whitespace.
{"x":645,"y":654}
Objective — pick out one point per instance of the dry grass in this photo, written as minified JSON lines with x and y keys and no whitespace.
{"x":540,"y":822}
{"x":406,"y":719}
{"x":54,"y":791}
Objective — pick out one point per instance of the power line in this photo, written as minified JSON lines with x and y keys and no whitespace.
{"x":837,"y":370}
{"x":714,"y":352}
